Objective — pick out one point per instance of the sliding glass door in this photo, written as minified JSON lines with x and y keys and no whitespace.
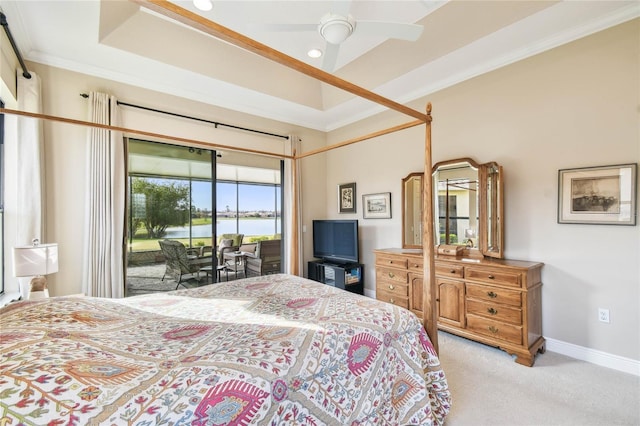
{"x":191,"y":196}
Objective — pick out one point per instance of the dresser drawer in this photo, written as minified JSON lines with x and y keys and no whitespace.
{"x":396,"y":262}
{"x":415,"y":264}
{"x":498,"y":295}
{"x":392,"y":298}
{"x":389,"y":287}
{"x":507,"y":332}
{"x":448,"y":270}
{"x":492,"y":276}
{"x":395,"y":275}
{"x":494,"y":311}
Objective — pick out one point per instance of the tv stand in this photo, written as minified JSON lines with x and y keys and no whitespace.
{"x":347,"y":276}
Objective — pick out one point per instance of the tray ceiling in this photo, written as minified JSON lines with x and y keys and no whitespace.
{"x":121,"y":41}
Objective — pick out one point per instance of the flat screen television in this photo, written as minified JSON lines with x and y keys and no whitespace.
{"x":336,"y":240}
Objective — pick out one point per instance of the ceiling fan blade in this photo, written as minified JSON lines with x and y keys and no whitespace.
{"x":399,"y":30}
{"x":283,"y":27}
{"x":330,"y":57}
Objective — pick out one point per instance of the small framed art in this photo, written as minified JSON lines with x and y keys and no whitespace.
{"x":347,"y":198}
{"x":376,"y":206}
{"x":604,"y":195}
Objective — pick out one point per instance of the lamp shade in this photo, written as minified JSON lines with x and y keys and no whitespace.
{"x":35,"y":260}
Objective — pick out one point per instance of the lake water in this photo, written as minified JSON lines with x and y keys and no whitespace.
{"x":248,"y":227}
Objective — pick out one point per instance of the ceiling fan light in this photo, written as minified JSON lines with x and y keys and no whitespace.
{"x":335,"y":28}
{"x":204,"y":5}
{"x":314,"y":53}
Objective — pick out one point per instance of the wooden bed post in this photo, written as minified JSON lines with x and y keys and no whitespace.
{"x":430,"y":306}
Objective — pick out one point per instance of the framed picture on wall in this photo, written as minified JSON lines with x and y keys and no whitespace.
{"x":376,"y":206}
{"x":604,"y":195}
{"x":347,"y":198}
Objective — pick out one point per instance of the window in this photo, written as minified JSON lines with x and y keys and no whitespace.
{"x":247,"y":208}
{"x":170,"y":193}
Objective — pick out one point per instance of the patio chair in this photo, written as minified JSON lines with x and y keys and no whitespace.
{"x":227,"y":243}
{"x":266,"y":259}
{"x":182,"y":262}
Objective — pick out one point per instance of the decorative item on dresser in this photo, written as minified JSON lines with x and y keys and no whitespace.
{"x":479,"y":295}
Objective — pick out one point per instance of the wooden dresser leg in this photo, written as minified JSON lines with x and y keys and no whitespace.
{"x":542,"y":349}
{"x":525,"y":359}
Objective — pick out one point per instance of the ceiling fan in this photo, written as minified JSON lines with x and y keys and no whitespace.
{"x":336,"y":27}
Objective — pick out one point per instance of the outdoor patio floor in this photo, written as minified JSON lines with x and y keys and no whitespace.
{"x":148,"y":279}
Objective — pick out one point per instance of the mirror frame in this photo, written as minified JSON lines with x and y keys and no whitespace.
{"x":491,"y":208}
{"x":405,"y":214}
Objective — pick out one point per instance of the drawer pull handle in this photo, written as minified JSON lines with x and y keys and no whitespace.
{"x":390,"y":262}
{"x":453,"y":271}
{"x":392,"y":301}
{"x":492,"y":311}
{"x":391,"y":275}
{"x":491,"y":277}
{"x":492,"y":294}
{"x":391,"y":287}
{"x":493,"y":329}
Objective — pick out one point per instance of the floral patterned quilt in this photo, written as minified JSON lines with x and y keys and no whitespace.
{"x":270,"y":350}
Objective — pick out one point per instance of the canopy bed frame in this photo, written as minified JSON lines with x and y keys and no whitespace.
{"x":202,"y":24}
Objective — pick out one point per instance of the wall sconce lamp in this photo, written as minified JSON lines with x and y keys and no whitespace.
{"x":36,"y":261}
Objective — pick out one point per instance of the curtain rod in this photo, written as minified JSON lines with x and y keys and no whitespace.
{"x":141,"y":133}
{"x":5,"y":24}
{"x":215,"y":123}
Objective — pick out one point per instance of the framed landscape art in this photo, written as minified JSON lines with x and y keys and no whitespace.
{"x":604,"y":195}
{"x":376,"y":206}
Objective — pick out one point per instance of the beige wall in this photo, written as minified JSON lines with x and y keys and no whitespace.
{"x":573,"y":106}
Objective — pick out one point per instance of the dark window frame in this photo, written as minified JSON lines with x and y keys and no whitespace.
{"x":2,"y":247}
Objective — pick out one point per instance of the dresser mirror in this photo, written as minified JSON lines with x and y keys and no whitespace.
{"x":468,"y":208}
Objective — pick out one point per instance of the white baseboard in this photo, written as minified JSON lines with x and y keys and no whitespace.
{"x":604,"y":359}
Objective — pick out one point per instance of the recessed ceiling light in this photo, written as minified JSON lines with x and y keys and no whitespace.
{"x":204,"y":5}
{"x":314,"y":53}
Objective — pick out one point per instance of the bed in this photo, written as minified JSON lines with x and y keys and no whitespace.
{"x":268,"y":350}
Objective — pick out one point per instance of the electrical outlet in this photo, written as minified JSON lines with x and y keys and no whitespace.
{"x":603,"y":315}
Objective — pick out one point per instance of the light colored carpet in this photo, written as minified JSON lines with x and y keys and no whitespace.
{"x":489,"y":388}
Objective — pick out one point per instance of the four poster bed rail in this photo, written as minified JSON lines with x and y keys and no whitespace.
{"x":277,"y":349}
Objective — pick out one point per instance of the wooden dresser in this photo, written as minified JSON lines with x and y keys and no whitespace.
{"x":399,"y":278}
{"x":493,"y":301}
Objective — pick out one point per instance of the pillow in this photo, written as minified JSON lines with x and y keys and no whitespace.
{"x":226,"y":243}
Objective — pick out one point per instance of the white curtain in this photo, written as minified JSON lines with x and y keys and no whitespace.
{"x":103,"y":265}
{"x":31,"y":172}
{"x":31,"y":160}
{"x":290,"y":195}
